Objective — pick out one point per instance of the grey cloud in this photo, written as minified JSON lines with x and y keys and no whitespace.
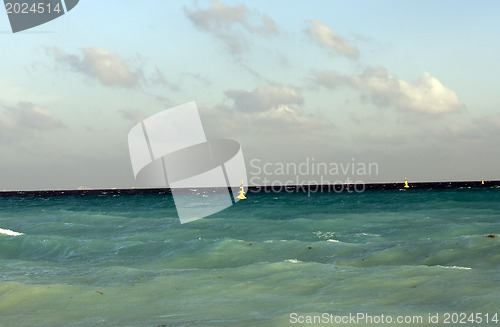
{"x":134,"y":115}
{"x":197,"y":77}
{"x":266,"y":121}
{"x":282,"y":130}
{"x":329,"y":79}
{"x":18,"y":122}
{"x":222,"y":21}
{"x":284,"y":61}
{"x":487,"y":125}
{"x":268,"y":26}
{"x":7,"y":125}
{"x":324,"y":36}
{"x":159,"y":78}
{"x":454,"y":134}
{"x":265,"y":98}
{"x":380,"y":138}
{"x":31,"y":116}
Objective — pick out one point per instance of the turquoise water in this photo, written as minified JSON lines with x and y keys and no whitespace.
{"x":126,"y":260}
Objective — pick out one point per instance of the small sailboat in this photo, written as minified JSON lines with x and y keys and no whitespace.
{"x":241,"y":194}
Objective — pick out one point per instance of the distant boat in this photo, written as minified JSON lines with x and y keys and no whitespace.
{"x":9,"y":232}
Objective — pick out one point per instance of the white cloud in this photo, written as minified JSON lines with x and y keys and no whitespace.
{"x":107,"y":67}
{"x":427,"y":95}
{"x":324,"y":36}
{"x":228,"y":23}
{"x":265,"y":98}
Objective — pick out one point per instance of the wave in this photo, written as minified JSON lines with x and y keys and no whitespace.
{"x":454,"y":267}
{"x":293,"y":260}
{"x":9,"y":232}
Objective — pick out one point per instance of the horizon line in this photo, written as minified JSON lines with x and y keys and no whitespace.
{"x":368,"y":186}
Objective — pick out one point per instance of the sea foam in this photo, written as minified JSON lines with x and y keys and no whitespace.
{"x":9,"y":232}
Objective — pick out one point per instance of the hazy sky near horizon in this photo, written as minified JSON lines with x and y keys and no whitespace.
{"x":409,"y":85}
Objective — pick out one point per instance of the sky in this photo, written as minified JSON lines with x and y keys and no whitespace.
{"x":410,"y":87}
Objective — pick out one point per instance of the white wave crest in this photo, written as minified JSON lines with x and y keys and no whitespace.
{"x":454,"y":267}
{"x":9,"y":232}
{"x":293,"y":260}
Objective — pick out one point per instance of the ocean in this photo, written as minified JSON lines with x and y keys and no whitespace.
{"x":416,"y":257}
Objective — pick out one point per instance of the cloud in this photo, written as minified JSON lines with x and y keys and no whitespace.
{"x":228,"y":23}
{"x":488,"y":125}
{"x":29,"y":115}
{"x":19,"y":121}
{"x":454,"y":134}
{"x":258,"y":124}
{"x":134,"y":115}
{"x":199,"y":78}
{"x":324,"y":36}
{"x":378,"y":138}
{"x":159,"y":78}
{"x":265,"y":98}
{"x":7,"y":124}
{"x":427,"y":95}
{"x":329,"y":79}
{"x":279,"y":132}
{"x":107,"y":67}
{"x":267,"y":121}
